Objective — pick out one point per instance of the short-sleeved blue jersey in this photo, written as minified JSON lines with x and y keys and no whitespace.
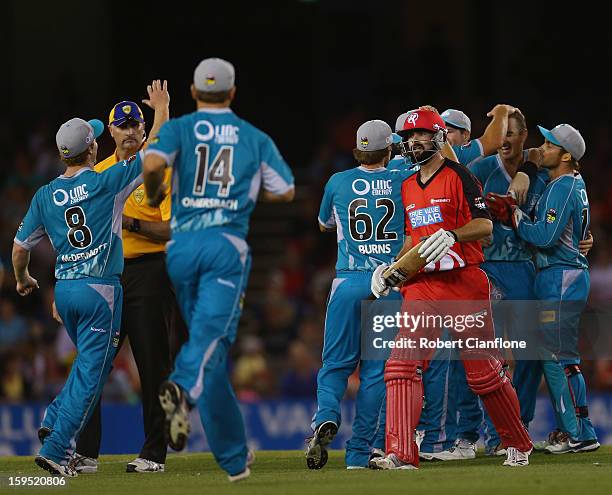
{"x":469,"y":153}
{"x":562,"y":220}
{"x":365,"y":208}
{"x":82,"y":217}
{"x":507,"y":245}
{"x":220,"y":162}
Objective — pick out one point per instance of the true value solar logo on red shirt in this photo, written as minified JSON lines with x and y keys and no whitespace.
{"x":425,"y":216}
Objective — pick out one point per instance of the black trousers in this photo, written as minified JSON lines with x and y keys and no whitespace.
{"x":151,"y":319}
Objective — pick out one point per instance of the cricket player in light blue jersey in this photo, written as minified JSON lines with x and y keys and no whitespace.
{"x":363,"y":206}
{"x":220,"y":162}
{"x":562,"y":284}
{"x":80,"y":213}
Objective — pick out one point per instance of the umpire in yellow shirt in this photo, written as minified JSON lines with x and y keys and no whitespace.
{"x":149,"y":306}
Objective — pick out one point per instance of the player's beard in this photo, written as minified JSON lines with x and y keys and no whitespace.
{"x":424,"y":155}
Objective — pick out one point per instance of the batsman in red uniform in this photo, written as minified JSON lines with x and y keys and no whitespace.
{"x":443,"y":204}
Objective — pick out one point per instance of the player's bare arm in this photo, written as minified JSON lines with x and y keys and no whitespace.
{"x":474,"y":230}
{"x":586,"y":245}
{"x":447,"y":151}
{"x":25,"y":282}
{"x":521,"y":181}
{"x":286,"y":197}
{"x":323,"y":228}
{"x":159,"y":102}
{"x":493,"y":136}
{"x":156,"y":231}
{"x":55,"y":314}
{"x":153,"y":176}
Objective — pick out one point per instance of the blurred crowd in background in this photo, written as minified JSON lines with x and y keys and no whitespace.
{"x":278,"y":351}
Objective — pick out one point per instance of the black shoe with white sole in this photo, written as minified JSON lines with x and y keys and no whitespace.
{"x":67,"y":471}
{"x":174,"y":403}
{"x":316,"y":452}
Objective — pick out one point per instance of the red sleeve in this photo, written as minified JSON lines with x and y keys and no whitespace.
{"x":472,"y":192}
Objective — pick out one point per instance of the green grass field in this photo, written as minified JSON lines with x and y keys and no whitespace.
{"x":285,"y":472}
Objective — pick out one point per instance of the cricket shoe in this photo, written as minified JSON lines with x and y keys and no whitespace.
{"x":316,"y":452}
{"x":141,"y":465}
{"x":560,"y":445}
{"x":498,"y":450}
{"x":552,"y":438}
{"x":516,"y":458}
{"x":54,"y":468}
{"x":83,"y":464}
{"x":462,"y":450}
{"x":374,"y":453}
{"x":390,"y":462}
{"x":43,"y":432}
{"x":247,"y":472}
{"x":240,"y":476}
{"x":584,"y":445}
{"x":174,"y":403}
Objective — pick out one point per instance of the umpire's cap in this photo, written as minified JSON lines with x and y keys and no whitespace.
{"x":124,"y":111}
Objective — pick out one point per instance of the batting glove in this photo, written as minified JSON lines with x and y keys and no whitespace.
{"x":378,"y":284}
{"x":500,"y":206}
{"x":435,"y":247}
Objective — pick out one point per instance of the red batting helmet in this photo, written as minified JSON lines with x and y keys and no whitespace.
{"x":425,"y":120}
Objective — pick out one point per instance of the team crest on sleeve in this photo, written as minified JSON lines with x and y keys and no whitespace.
{"x":139,"y":195}
{"x":551,"y":215}
{"x":480,"y":203}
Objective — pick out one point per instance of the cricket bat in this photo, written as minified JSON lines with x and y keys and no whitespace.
{"x":404,"y":268}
